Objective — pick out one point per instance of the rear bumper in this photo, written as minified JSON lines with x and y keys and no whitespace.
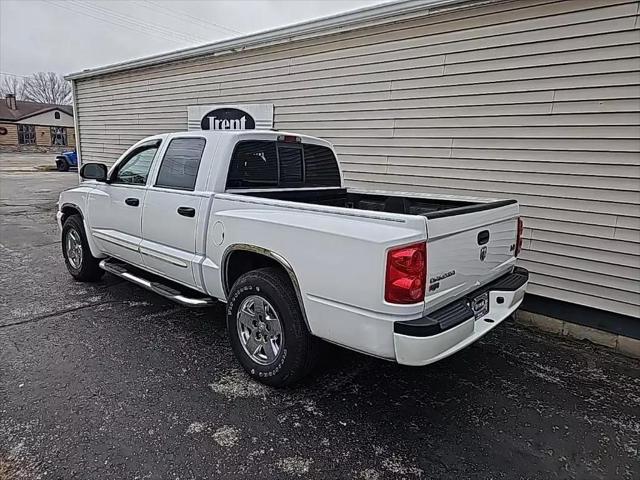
{"x":453,"y":327}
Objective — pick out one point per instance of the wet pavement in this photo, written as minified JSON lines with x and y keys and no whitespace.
{"x":11,"y":163}
{"x":108,"y":380}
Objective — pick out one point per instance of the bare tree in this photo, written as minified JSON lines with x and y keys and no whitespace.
{"x":11,"y":85}
{"x":46,"y":87}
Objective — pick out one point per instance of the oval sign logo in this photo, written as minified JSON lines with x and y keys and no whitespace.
{"x":227,"y":119}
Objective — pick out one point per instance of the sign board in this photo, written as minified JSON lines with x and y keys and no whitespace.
{"x":230,"y":117}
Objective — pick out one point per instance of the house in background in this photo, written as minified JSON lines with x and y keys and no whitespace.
{"x":35,"y":127}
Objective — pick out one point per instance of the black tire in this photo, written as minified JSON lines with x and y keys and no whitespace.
{"x":88,"y":269}
{"x":62,"y":165}
{"x":299,"y":351}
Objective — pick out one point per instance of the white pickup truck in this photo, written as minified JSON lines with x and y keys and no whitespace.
{"x":261,"y":220}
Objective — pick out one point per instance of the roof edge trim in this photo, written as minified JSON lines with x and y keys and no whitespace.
{"x":388,"y":12}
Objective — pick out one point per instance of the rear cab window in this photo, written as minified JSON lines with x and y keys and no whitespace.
{"x":180,"y":164}
{"x":254,"y":164}
{"x":271,"y":164}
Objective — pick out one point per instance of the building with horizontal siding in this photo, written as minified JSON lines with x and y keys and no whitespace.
{"x":530,"y":99}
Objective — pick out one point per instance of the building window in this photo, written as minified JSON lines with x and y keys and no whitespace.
{"x":26,"y":134}
{"x":57,"y":115}
{"x":58,"y":136}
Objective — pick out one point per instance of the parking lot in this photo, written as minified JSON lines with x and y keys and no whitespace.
{"x":108,"y":380}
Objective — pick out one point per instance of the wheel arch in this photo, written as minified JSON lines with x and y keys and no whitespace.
{"x":68,"y":209}
{"x":242,"y":258}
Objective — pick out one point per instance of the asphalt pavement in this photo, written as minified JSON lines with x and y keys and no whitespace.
{"x":110,"y":381}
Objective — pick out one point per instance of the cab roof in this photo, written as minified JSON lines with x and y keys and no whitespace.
{"x":237,"y":135}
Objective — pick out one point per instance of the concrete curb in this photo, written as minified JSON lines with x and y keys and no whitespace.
{"x":625,"y":345}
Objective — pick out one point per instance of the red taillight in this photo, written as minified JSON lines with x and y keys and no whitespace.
{"x":519,"y":237}
{"x":406,"y":274}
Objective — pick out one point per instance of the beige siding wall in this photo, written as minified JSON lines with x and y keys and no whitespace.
{"x":43,"y":136}
{"x":535,"y":100}
{"x":11,"y":137}
{"x":49,"y":118}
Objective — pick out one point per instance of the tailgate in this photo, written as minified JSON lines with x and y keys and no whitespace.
{"x":467,"y":250}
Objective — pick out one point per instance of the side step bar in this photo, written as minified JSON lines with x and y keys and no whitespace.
{"x":122,"y":270}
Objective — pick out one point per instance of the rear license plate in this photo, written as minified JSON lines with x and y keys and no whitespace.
{"x":480,"y":305}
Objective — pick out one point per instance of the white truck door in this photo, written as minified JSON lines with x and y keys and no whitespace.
{"x":172,"y":211}
{"x":115,"y":208}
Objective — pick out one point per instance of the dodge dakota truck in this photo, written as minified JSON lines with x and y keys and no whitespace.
{"x":262,"y":221}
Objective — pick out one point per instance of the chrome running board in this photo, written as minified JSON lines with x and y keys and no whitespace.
{"x":123,"y":270}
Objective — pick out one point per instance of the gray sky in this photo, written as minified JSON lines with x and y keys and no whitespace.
{"x":69,"y":35}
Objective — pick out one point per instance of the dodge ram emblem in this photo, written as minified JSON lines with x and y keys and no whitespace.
{"x":483,"y":253}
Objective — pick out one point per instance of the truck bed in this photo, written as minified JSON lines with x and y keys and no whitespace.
{"x":470,"y":240}
{"x":416,"y":204}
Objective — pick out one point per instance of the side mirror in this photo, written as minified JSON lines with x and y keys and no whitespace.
{"x":94,"y":171}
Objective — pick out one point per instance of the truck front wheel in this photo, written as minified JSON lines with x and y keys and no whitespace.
{"x":62,"y":164}
{"x":268,"y":333}
{"x":77,"y":256}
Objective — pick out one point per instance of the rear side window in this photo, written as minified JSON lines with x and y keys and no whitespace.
{"x":254,"y":164}
{"x":180,"y":164}
{"x":268,"y":164}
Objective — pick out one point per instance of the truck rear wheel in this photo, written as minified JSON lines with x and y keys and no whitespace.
{"x":77,"y":256}
{"x":268,"y":333}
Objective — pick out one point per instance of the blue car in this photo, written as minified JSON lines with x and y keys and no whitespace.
{"x":67,"y":160}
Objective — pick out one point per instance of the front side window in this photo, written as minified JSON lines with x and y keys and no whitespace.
{"x":58,"y":136}
{"x":135,"y":169}
{"x":26,"y":134}
{"x":179,"y":168}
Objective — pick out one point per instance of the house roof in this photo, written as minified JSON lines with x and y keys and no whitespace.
{"x":29,"y":109}
{"x":383,"y":13}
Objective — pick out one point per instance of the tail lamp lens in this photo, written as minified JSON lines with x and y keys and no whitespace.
{"x":406,"y":274}
{"x":519,"y":238}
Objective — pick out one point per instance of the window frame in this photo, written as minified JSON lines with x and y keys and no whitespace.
{"x":164,"y":155}
{"x":137,"y":150}
{"x":64,"y":136}
{"x":21,"y":135}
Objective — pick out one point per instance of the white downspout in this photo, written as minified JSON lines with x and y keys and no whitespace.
{"x":75,"y":125}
